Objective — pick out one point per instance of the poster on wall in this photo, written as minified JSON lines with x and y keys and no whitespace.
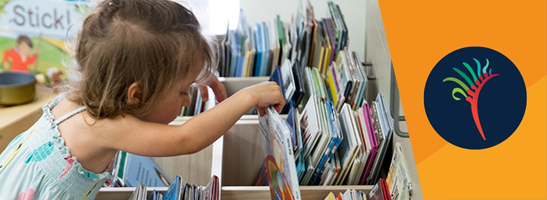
{"x":33,"y":34}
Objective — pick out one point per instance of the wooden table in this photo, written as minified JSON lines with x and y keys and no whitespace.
{"x":16,"y":119}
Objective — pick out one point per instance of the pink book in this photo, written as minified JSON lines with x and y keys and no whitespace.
{"x":374,"y":143}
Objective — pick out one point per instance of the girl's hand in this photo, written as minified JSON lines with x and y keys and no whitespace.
{"x":266,"y":94}
{"x":216,"y":86}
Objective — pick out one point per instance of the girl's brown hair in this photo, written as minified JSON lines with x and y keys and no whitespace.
{"x":154,"y":43}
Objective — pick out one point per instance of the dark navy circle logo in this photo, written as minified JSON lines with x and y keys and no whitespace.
{"x":475,"y":98}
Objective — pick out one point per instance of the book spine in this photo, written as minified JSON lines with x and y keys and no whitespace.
{"x":321,"y":166}
{"x":294,"y":181}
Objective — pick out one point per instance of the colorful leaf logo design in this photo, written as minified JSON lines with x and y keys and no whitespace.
{"x":476,"y":85}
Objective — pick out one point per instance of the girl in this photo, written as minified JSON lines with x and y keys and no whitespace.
{"x":137,"y":60}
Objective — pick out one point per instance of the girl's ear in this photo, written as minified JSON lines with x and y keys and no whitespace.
{"x":134,"y":93}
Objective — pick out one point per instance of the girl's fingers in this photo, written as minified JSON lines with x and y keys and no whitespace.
{"x":278,"y":108}
{"x":261,"y":111}
{"x":218,"y":88}
{"x":204,"y":93}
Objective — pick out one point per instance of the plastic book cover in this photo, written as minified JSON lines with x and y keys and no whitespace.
{"x":33,"y":34}
{"x":279,"y":186}
{"x":277,"y":147}
{"x":140,"y":169}
{"x":173,"y":192}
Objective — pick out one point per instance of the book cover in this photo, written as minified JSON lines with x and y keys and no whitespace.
{"x":140,"y":169}
{"x":278,"y":150}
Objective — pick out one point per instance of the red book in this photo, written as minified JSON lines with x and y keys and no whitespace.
{"x":379,"y":191}
{"x":339,"y":196}
{"x":387,"y":194}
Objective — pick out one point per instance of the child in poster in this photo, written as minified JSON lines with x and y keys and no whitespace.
{"x":19,"y":57}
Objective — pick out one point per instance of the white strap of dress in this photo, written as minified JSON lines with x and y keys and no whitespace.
{"x":70,"y":114}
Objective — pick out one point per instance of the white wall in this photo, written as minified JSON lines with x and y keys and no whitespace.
{"x":353,"y":11}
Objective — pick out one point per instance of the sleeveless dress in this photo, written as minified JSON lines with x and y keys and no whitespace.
{"x":38,"y":165}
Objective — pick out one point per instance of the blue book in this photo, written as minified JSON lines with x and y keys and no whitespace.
{"x":234,"y":44}
{"x":336,"y":130}
{"x":259,"y":51}
{"x":331,"y":146}
{"x":292,"y":127}
{"x":276,"y":77}
{"x":239,"y":71}
{"x":300,"y":168}
{"x":266,"y":51}
{"x":173,"y":192}
{"x":154,"y":196}
{"x":141,"y":169}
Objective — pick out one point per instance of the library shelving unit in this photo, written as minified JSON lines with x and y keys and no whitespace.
{"x":237,"y":156}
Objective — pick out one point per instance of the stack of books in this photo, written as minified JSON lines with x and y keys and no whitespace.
{"x":179,"y":191}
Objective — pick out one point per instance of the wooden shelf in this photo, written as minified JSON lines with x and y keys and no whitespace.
{"x":236,"y":159}
{"x":308,"y":192}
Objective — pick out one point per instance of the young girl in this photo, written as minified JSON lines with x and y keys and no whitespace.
{"x":137,"y":60}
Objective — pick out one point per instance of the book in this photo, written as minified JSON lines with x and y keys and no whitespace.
{"x":300,"y":90}
{"x":330,"y":196}
{"x":181,"y":191}
{"x":278,"y":150}
{"x":379,"y":191}
{"x":335,"y":140}
{"x":398,"y":180}
{"x":140,"y":169}
{"x":155,"y":195}
{"x":373,"y":142}
{"x":139,"y":193}
{"x":384,"y":132}
{"x":277,"y":77}
{"x":288,"y":82}
{"x":348,"y":147}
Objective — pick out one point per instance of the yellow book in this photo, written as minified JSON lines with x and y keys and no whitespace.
{"x":326,"y":60}
{"x":320,"y":64}
{"x":249,"y":60}
{"x":332,"y":87}
{"x":327,"y":54}
{"x":339,"y":57}
{"x":330,"y":196}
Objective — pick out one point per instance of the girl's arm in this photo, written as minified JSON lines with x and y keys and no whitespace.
{"x":152,"y":139}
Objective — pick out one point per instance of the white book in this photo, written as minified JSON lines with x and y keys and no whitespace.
{"x":274,"y":43}
{"x":348,"y":147}
{"x":347,"y":195}
{"x":309,"y":120}
{"x":286,"y":42}
{"x":354,"y":170}
{"x":288,"y":79}
{"x":274,"y":131}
